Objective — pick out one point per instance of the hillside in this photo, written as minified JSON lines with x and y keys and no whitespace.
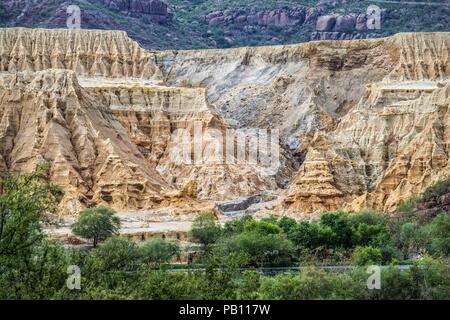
{"x":195,"y":24}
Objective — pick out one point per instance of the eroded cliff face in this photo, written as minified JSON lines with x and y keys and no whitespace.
{"x":363,"y":123}
{"x":89,"y":53}
{"x":108,"y":127}
{"x":297,"y":88}
{"x":48,"y":117}
{"x":153,"y":117}
{"x":392,"y":144}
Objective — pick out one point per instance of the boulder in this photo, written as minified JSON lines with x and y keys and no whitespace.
{"x":361,"y":22}
{"x":325,"y":23}
{"x":345,"y":23}
{"x":214,"y":14}
{"x":241,"y":19}
{"x":216,"y":21}
{"x":312,"y":13}
{"x":237,"y":205}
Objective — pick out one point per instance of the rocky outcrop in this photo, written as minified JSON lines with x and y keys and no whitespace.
{"x":328,"y":26}
{"x":232,"y":207}
{"x":346,"y":27}
{"x":325,"y":23}
{"x":281,"y":17}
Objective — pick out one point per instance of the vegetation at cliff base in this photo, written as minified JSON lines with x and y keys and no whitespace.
{"x":234,"y":257}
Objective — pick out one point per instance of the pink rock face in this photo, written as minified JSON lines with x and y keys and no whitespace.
{"x":361,"y":22}
{"x":312,"y":13}
{"x":325,"y":23}
{"x":284,"y":20}
{"x":278,"y":17}
{"x":345,"y":23}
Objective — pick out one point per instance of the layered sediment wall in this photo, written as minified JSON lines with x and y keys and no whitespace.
{"x":363,"y":123}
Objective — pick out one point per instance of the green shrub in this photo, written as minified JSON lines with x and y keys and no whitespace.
{"x":262,"y":249}
{"x":431,"y":278}
{"x":287,"y":224}
{"x":158,"y":251}
{"x":438,"y":235}
{"x":310,"y":284}
{"x":117,"y":254}
{"x":39,"y":275}
{"x":25,"y":200}
{"x":336,"y":229}
{"x":262,"y":227}
{"x":236,"y":226}
{"x":206,"y":229}
{"x":412,"y":239}
{"x":368,"y":255}
{"x":396,"y":284}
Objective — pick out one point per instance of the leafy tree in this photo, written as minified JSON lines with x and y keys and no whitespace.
{"x":375,"y":235}
{"x":96,"y":224}
{"x":24,"y":201}
{"x":262,"y":227}
{"x":206,"y":229}
{"x":41,"y":274}
{"x":287,"y":224}
{"x":112,"y":270}
{"x":306,"y":235}
{"x":411,"y":239}
{"x":438,"y":235}
{"x":236,"y":226}
{"x":338,"y":230}
{"x":157,"y":251}
{"x":367,"y":255}
{"x":263,"y":243}
{"x":270,"y":219}
{"x":117,"y":253}
{"x":368,"y":217}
